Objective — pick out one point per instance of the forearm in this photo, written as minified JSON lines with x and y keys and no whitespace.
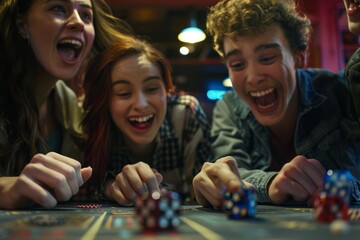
{"x":260,"y":179}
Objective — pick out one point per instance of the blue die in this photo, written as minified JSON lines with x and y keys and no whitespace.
{"x":240,"y":204}
{"x":338,"y":183}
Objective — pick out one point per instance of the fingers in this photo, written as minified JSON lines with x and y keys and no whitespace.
{"x":213,"y":178}
{"x":49,"y":179}
{"x":206,"y":192}
{"x":142,"y":178}
{"x":136,"y":181}
{"x":69,"y":168}
{"x":86,"y":173}
{"x":73,"y":173}
{"x":309,"y":173}
{"x":29,"y":189}
{"x":224,"y":173}
{"x":159,"y":177}
{"x":122,"y":194}
{"x":300,"y":179}
{"x":318,"y":172}
{"x":282,"y":187}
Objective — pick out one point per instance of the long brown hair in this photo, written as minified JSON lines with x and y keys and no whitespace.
{"x":20,"y":137}
{"x":97,"y":123}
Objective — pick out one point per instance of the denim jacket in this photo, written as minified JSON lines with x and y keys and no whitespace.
{"x":352,"y":72}
{"x":325,"y":131}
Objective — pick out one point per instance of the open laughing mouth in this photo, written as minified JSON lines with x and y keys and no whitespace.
{"x":142,"y":122}
{"x":353,"y":7}
{"x":265,"y":99}
{"x":70,"y":49}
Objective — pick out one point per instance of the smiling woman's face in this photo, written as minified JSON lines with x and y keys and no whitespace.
{"x":61,"y":34}
{"x":138,"y":102}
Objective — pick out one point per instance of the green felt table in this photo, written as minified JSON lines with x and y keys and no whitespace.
{"x":113,"y":222}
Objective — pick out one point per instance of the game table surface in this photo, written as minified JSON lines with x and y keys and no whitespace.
{"x":110,"y":221}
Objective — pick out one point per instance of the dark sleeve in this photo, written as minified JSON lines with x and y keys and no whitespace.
{"x":352,"y":73}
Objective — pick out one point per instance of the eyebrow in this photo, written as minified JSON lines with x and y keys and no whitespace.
{"x":128,"y":82}
{"x":69,"y":1}
{"x":258,"y":48}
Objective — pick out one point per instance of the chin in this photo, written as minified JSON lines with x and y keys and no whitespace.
{"x":354,"y":28}
{"x":268,"y":121}
{"x":144,"y":140}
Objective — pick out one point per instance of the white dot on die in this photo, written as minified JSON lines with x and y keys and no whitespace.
{"x":175,"y":221}
{"x":163,"y":222}
{"x":338,"y":227}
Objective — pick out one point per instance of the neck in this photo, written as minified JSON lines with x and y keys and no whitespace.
{"x":141,"y":152}
{"x":41,"y":87}
{"x":284,"y":131}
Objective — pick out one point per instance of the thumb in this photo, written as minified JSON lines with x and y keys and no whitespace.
{"x":248,"y":185}
{"x":86,"y":173}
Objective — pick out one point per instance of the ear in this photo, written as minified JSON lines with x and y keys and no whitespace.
{"x":22,"y":27}
{"x":300,"y":59}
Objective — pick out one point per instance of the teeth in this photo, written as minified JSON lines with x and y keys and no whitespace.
{"x":141,"y":119}
{"x":74,"y":42}
{"x":262,"y":93}
{"x":267,"y":106}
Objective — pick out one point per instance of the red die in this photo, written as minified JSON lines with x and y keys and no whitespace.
{"x":159,"y":211}
{"x":328,"y":208}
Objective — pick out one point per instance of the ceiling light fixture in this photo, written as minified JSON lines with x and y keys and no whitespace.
{"x":192,"y":34}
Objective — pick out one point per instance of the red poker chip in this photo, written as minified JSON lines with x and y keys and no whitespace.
{"x":89,"y":205}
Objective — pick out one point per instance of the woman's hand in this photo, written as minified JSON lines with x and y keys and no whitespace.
{"x":134,"y":181}
{"x":46,"y":180}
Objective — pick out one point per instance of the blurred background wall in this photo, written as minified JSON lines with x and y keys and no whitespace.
{"x":201,"y":72}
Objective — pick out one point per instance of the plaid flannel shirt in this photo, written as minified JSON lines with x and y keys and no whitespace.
{"x":168,"y":155}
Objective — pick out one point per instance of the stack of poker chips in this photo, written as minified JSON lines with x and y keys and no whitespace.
{"x":333,"y":202}
{"x":239,"y":204}
{"x":160,"y":211}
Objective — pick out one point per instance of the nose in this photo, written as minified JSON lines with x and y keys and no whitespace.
{"x":140,"y":102}
{"x":253,"y":74}
{"x":75,"y":22}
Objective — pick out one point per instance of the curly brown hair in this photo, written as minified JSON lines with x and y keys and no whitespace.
{"x":235,"y":18}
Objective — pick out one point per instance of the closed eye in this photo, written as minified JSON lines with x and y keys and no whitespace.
{"x":153,"y":89}
{"x":237,"y":66}
{"x":123,"y":95}
{"x":268,"y":59}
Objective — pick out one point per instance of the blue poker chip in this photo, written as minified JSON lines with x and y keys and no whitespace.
{"x":46,"y":220}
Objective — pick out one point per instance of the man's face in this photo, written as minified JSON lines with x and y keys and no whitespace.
{"x":262,"y":71}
